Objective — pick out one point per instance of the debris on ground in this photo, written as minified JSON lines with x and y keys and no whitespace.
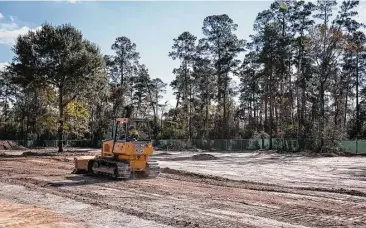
{"x":203,"y":157}
{"x":10,"y":145}
{"x":31,"y":153}
{"x":163,"y":154}
{"x":196,"y":157}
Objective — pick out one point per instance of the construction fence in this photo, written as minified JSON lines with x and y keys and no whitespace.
{"x":54,"y":143}
{"x":235,"y":145}
{"x":289,"y":145}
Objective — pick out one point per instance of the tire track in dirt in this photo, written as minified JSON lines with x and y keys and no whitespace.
{"x":91,"y":215}
{"x":258,"y":186}
{"x":298,"y":209}
{"x":128,"y":207}
{"x":190,"y":200}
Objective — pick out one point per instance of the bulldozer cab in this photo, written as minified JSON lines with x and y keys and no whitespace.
{"x":121,"y":126}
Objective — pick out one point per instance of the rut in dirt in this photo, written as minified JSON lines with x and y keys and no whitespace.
{"x":185,"y":199}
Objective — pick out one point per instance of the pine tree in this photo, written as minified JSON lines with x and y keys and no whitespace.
{"x":223,"y":46}
{"x":184,"y":49}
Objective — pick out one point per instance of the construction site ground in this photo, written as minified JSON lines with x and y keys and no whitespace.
{"x":195,"y":189}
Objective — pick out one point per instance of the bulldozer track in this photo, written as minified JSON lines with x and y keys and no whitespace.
{"x":121,"y":169}
{"x":183,"y":200}
{"x":225,"y":213}
{"x":116,"y":169}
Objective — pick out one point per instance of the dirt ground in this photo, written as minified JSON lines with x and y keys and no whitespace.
{"x":227,"y":190}
{"x":20,"y":215}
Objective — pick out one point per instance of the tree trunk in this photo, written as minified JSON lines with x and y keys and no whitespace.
{"x":206,"y":117}
{"x":303,"y":108}
{"x":219,"y":86}
{"x":61,"y":121}
{"x":277,"y":119}
{"x":336,"y":101}
{"x":298,"y":106}
{"x":322,"y":115}
{"x":265,"y":124}
{"x":121,"y":100}
{"x":6,"y":105}
{"x":178,"y":100}
{"x":153,"y":107}
{"x":156,"y":110}
{"x":225,"y":119}
{"x":185,"y":96}
{"x":345,"y":109}
{"x":207,"y":102}
{"x":357,"y":103}
{"x":270,"y":107}
{"x":27,"y":127}
{"x":190,"y":111}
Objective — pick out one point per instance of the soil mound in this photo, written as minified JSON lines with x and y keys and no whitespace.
{"x":31,"y":153}
{"x":163,"y":154}
{"x":203,"y":157}
{"x":10,"y":145}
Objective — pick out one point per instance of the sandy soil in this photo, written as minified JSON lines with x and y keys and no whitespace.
{"x":256,"y":190}
{"x":271,"y":168}
{"x":20,"y":215}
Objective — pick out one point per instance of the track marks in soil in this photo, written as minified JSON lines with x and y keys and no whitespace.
{"x":183,"y":199}
{"x":258,"y":186}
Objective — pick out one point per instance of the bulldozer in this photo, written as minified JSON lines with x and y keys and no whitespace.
{"x":122,"y":156}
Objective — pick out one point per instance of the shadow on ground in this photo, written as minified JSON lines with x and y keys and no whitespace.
{"x":88,"y":179}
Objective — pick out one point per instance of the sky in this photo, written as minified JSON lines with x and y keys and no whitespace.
{"x":151,"y":25}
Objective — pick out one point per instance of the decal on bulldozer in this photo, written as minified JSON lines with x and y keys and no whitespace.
{"x":139,"y":147}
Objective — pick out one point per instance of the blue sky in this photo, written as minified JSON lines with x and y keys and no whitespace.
{"x":151,"y":25}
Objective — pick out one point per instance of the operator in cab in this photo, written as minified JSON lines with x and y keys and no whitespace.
{"x":133,"y":133}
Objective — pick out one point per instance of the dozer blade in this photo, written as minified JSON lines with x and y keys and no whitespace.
{"x":81,"y":164}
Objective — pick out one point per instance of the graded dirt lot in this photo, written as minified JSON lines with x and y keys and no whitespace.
{"x":226,"y":190}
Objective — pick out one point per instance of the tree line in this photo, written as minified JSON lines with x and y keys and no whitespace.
{"x":301,"y":76}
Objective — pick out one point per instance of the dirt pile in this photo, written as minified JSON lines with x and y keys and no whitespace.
{"x":196,"y":157}
{"x":10,"y":145}
{"x":168,"y":170}
{"x":163,"y":154}
{"x":203,"y":157}
{"x":32,"y":153}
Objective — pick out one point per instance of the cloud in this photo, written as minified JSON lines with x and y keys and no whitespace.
{"x":8,"y":36}
{"x":69,"y":1}
{"x":3,"y":65}
{"x":362,"y":16}
{"x":361,"y":13}
{"x":11,"y":30}
{"x":1,"y":16}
